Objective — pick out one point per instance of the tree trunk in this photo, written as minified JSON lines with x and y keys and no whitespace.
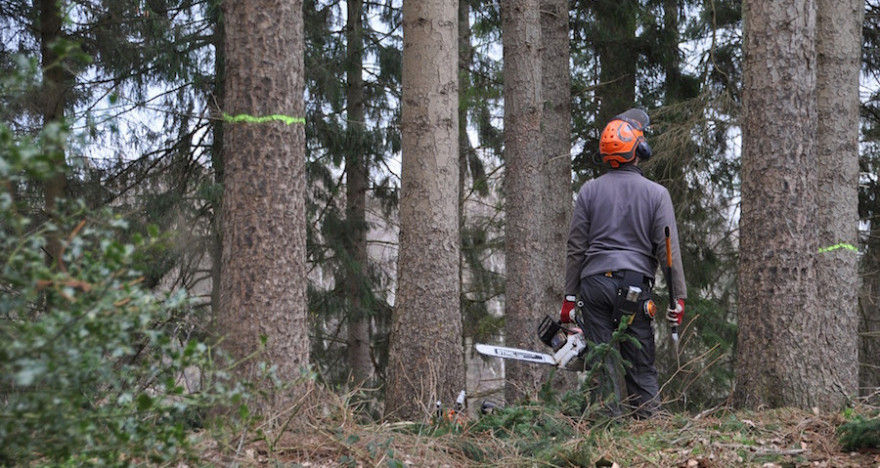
{"x":216,"y":238}
{"x":869,"y":317}
{"x":618,"y":57}
{"x":56,"y":82}
{"x":556,"y":136}
{"x":263,"y":292}
{"x":524,"y":187}
{"x":838,"y":51}
{"x":779,"y":313}
{"x":465,"y":151}
{"x":674,"y":85}
{"x":357,"y":180}
{"x":426,"y":360}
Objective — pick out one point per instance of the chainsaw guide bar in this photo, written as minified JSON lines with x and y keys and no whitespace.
{"x":517,"y":354}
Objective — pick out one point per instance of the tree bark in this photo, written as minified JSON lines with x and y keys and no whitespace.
{"x":465,"y":151}
{"x":56,"y":83}
{"x":618,"y":58}
{"x":556,"y":137}
{"x":356,"y":172}
{"x":263,"y":292}
{"x":216,"y":239}
{"x":869,"y":317}
{"x":779,"y":313}
{"x":524,"y":187}
{"x":838,"y":50}
{"x":426,"y":360}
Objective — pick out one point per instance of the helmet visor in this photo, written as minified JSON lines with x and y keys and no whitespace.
{"x":636,"y":117}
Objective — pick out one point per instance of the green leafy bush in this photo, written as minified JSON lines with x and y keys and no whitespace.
{"x":91,"y":362}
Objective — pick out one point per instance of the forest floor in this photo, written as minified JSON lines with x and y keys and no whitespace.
{"x":542,"y":437}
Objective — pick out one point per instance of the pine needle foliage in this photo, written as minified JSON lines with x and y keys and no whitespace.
{"x":333,"y":141}
{"x":860,"y":433}
{"x":537,"y":432}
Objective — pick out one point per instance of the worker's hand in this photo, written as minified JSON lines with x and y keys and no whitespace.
{"x":568,"y":305}
{"x":675,"y":316}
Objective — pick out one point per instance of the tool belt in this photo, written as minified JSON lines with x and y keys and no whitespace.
{"x":633,"y":294}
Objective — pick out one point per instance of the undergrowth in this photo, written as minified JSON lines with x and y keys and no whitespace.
{"x":93,"y":364}
{"x":861,"y":433}
{"x":547,"y":434}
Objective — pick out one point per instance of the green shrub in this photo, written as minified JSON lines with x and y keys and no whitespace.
{"x":90,"y":360}
{"x":536,"y":431}
{"x":860,"y":433}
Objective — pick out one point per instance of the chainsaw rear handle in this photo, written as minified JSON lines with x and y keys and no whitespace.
{"x":578,"y":318}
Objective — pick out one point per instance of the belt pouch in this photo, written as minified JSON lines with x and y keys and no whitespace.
{"x":629,"y":295}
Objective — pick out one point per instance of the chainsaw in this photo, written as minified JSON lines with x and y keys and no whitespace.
{"x":566,"y":344}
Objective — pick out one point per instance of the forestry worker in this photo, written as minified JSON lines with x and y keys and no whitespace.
{"x":621,"y":225}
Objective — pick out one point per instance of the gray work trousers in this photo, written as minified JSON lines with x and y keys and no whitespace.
{"x":599,"y":293}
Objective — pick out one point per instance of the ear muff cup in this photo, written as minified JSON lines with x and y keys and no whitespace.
{"x":643,"y":150}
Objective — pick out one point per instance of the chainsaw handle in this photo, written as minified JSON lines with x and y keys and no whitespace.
{"x":579,"y":318}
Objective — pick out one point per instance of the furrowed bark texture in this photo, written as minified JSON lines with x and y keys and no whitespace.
{"x":556,"y":158}
{"x":263,"y":276}
{"x":426,"y":360}
{"x":838,"y":49}
{"x":778,"y":308}
{"x":524,"y":185}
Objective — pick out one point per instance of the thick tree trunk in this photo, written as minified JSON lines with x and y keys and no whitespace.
{"x":779,"y":313}
{"x":524,"y":187}
{"x":356,"y":273}
{"x":838,"y":51}
{"x":263,"y":290}
{"x":556,"y":137}
{"x":426,"y":360}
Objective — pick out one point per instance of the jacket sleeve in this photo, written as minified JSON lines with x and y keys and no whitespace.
{"x":666,"y":218}
{"x":578,"y":241}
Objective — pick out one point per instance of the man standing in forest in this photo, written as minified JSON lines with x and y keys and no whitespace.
{"x":618,"y":234}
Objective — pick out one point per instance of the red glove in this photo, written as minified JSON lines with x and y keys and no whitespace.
{"x":568,"y":306}
{"x":675,"y":316}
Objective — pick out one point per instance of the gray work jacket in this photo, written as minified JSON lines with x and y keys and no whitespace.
{"x":619,"y":223}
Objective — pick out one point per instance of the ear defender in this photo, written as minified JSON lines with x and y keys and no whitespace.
{"x":644,"y":151}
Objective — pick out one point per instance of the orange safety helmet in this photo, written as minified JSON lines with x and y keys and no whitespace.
{"x":623,"y":138}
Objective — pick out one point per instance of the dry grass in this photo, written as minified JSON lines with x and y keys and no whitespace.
{"x":776,"y":438}
{"x":717,"y":438}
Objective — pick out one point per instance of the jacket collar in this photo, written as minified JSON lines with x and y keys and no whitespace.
{"x":629,"y":168}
